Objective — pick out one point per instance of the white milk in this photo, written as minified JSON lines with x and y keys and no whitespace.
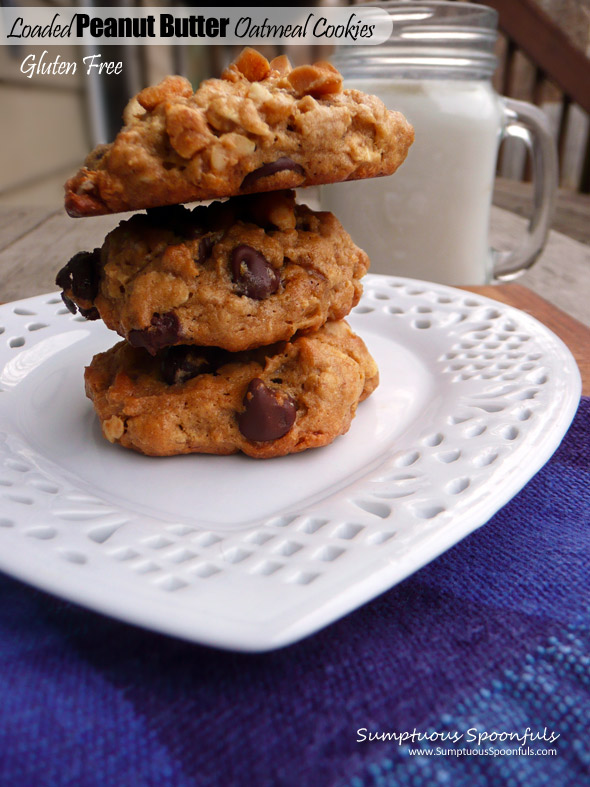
{"x":430,"y":219}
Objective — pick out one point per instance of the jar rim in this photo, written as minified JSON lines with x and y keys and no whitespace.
{"x":428,"y":36}
{"x":415,"y":10}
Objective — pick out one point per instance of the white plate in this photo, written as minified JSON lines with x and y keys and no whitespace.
{"x":474,"y":398}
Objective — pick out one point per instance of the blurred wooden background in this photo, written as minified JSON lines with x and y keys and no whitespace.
{"x":53,"y":121}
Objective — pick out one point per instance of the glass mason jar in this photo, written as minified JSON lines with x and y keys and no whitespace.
{"x":430,"y":220}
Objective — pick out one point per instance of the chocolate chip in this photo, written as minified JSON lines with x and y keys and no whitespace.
{"x":268,"y":414}
{"x":205,"y":246}
{"x":70,"y":305}
{"x":81,"y":275}
{"x":280,"y":165}
{"x":90,"y":314}
{"x":165,"y":330}
{"x":253,"y":273}
{"x":183,"y":362}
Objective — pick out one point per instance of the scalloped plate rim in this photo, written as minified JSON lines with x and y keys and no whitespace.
{"x":263,"y":637}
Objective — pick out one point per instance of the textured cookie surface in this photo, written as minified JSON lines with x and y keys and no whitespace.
{"x":240,"y":274}
{"x":267,"y":402}
{"x":261,"y":127}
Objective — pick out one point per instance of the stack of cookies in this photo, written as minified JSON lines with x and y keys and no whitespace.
{"x":231,"y":313}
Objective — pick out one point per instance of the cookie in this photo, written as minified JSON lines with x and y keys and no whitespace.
{"x":266,"y":402}
{"x":261,"y":127}
{"x":248,"y":272}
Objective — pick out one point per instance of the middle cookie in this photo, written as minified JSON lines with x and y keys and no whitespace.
{"x":240,"y":274}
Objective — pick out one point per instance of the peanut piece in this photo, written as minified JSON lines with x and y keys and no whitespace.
{"x":281,"y":64}
{"x":307,"y":104}
{"x":132,"y":112}
{"x":250,"y":120}
{"x":223,"y":113}
{"x":258,"y":93}
{"x":219,"y":160}
{"x":278,"y":108}
{"x":317,"y":80}
{"x":229,"y":149}
{"x":254,"y":66}
{"x":187,"y":129}
{"x":113,"y":428}
{"x":150,"y":97}
{"x":239,"y":144}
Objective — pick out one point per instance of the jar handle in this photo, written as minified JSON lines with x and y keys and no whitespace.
{"x":529,"y":124}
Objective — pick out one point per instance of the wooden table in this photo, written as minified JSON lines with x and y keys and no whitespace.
{"x":35,"y":243}
{"x":572,"y":210}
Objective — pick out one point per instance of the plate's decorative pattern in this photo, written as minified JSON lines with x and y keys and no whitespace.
{"x":509,"y":387}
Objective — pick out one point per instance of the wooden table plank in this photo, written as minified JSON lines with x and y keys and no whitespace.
{"x":15,"y":223}
{"x":575,"y":335}
{"x":562,"y":272}
{"x":28,"y":265}
{"x":572,"y":210}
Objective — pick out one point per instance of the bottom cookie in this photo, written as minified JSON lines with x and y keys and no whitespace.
{"x":266,"y":402}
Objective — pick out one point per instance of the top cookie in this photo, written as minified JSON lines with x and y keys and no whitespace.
{"x":261,"y":127}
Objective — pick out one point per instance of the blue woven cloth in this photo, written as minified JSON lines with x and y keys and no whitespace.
{"x":493,"y":636}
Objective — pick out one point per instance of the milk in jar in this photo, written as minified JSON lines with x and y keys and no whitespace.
{"x":430,"y":219}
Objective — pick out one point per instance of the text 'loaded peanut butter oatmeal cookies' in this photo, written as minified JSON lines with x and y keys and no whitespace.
{"x":266,"y":402}
{"x":248,"y":272}
{"x":261,"y":127}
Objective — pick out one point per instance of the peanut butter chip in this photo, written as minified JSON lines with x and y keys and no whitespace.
{"x":150,"y":97}
{"x":281,"y":64}
{"x":317,"y":80}
{"x":254,"y":66}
